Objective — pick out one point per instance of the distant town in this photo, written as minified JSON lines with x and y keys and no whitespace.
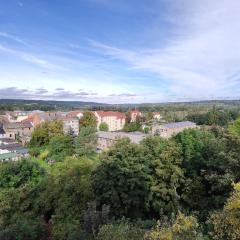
{"x":16,"y":128}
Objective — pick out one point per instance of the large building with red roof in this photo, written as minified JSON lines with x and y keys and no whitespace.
{"x":114,"y":120}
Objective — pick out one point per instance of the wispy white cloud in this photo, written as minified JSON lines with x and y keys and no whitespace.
{"x":14,"y":38}
{"x":43,"y":94}
{"x":28,"y":57}
{"x":202,"y":60}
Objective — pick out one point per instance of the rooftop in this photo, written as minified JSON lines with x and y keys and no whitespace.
{"x":118,"y":115}
{"x":8,"y":155}
{"x":135,"y":137}
{"x":179,"y":124}
{"x":17,"y":125}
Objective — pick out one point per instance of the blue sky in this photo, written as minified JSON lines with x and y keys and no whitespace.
{"x":120,"y":51}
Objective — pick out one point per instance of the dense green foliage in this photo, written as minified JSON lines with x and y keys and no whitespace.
{"x":60,"y":147}
{"x":45,"y":131}
{"x":211,"y":164}
{"x":139,"y":180}
{"x":234,"y":128}
{"x":86,"y":141}
{"x":161,"y":189}
{"x":88,"y":120}
{"x":133,"y":126}
{"x":214,"y":117}
{"x":103,"y":127}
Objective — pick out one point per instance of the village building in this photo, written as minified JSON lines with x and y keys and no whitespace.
{"x":16,"y":116}
{"x":10,"y":150}
{"x":170,"y":129}
{"x":114,"y":120}
{"x":18,"y":131}
{"x":134,"y":114}
{"x":107,"y":139}
{"x":74,"y":114}
{"x":70,"y":125}
{"x":2,"y":132}
{"x":157,"y":116}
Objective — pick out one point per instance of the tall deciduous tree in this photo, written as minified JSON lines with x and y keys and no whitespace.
{"x":183,"y":228}
{"x":226,"y":223}
{"x":234,"y":128}
{"x":88,"y":120}
{"x":139,"y":180}
{"x":164,"y":160}
{"x":61,"y":147}
{"x":122,"y":180}
{"x":45,"y":131}
{"x":208,"y":163}
{"x":86,"y":142}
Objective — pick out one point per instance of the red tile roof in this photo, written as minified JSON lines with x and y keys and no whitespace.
{"x":118,"y":115}
{"x":73,"y":113}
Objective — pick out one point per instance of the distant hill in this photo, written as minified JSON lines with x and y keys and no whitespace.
{"x":46,"y":105}
{"x":14,"y":104}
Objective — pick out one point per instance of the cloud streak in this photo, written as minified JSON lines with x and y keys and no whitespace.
{"x":202,"y":60}
{"x":28,"y":57}
{"x":43,"y":94}
{"x":14,"y":38}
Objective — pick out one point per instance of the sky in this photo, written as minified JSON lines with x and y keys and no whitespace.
{"x":121,"y":51}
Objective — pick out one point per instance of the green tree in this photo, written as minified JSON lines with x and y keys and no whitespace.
{"x":226,"y":223}
{"x":65,"y":196}
{"x":20,"y":187}
{"x":44,"y":132}
{"x":234,"y":128}
{"x":164,"y":162}
{"x":60,"y":147}
{"x":133,"y":126}
{"x":88,"y":120}
{"x":103,"y":127}
{"x":121,"y":230}
{"x":139,"y":180}
{"x":86,"y":142}
{"x":122,"y":180}
{"x":20,"y":173}
{"x":208,"y":163}
{"x":183,"y":228}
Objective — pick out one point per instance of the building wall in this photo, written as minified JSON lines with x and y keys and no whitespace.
{"x":13,"y":133}
{"x":3,"y":135}
{"x":71,"y":124}
{"x":157,"y":116}
{"x":134,"y":115}
{"x":114,"y":123}
{"x":169,"y":132}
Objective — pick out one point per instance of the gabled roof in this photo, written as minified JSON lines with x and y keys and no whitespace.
{"x":17,"y":125}
{"x":73,"y":113}
{"x":135,"y":137}
{"x":118,"y":115}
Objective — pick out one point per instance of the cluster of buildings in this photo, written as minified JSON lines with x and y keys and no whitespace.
{"x":16,"y":129}
{"x":10,"y":150}
{"x":18,"y":126}
{"x":107,"y":139}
